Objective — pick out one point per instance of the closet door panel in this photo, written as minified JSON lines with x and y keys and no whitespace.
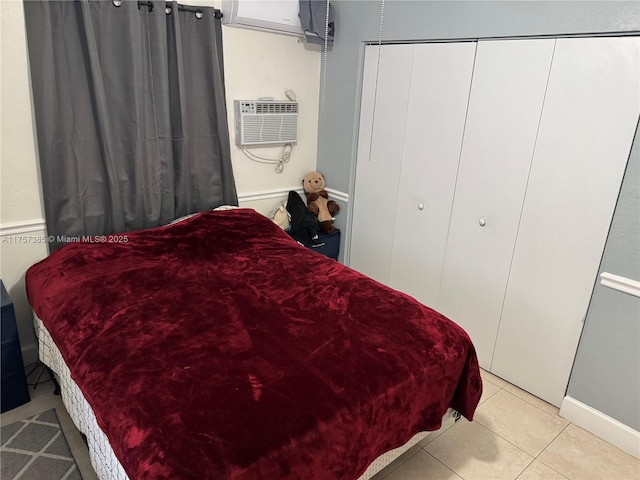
{"x":438,"y":97}
{"x":378,"y":158}
{"x":505,"y":105}
{"x":587,"y":128}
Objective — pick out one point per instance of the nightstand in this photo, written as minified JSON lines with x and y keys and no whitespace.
{"x":14,"y":382}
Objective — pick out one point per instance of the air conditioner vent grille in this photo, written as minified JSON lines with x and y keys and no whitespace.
{"x":276,"y":108}
{"x":266,"y":122}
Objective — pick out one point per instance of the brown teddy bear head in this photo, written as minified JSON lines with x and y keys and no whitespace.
{"x":313,"y":182}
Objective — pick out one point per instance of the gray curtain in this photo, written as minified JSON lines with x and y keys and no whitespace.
{"x":130,"y":114}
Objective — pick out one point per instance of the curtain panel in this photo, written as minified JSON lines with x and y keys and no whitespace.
{"x":130,"y":114}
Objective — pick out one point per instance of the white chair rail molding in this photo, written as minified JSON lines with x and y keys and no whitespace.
{"x":620,"y":283}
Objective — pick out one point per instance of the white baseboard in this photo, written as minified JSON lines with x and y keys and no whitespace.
{"x":605,"y":427}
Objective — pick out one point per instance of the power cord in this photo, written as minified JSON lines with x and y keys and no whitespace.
{"x":284,"y":157}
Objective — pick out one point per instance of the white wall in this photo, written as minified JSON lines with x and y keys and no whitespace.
{"x":21,"y":212}
{"x":257,"y":64}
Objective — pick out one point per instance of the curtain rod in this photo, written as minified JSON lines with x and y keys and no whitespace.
{"x":184,"y":8}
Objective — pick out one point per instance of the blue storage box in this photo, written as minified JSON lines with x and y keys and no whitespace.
{"x":331,"y":247}
{"x":14,"y":391}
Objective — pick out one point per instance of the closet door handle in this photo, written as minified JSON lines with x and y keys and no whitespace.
{"x":482,"y":222}
{"x":421,"y":206}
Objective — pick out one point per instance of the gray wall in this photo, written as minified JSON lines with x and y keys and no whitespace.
{"x":606,"y":372}
{"x":358,"y":21}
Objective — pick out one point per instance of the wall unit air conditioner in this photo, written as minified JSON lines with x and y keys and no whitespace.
{"x":278,"y":16}
{"x":266,"y":122}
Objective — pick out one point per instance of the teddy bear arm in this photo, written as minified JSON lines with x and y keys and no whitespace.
{"x":333,"y":207}
{"x":315,"y":209}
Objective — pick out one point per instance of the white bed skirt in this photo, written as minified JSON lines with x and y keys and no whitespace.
{"x":103,"y":459}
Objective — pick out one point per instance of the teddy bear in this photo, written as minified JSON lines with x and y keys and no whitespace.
{"x":318,"y":200}
{"x":280,"y":216}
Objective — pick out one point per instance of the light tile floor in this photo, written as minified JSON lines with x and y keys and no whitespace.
{"x":514,"y":435}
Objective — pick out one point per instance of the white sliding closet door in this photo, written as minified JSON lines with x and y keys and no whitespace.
{"x":440,"y":83}
{"x":378,"y":158}
{"x":588,"y":123}
{"x":507,"y":94}
{"x":486,"y":185}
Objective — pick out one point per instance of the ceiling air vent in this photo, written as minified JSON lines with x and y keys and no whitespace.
{"x":261,"y":122}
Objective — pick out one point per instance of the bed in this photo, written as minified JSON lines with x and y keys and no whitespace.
{"x":219,"y":348}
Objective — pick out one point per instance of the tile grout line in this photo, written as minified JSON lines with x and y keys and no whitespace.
{"x":493,"y":433}
{"x":533,"y":458}
{"x":552,"y":440}
{"x":555,"y":414}
{"x":532,"y":403}
{"x":548,"y":445}
{"x":506,"y":383}
{"x":443,"y":464}
{"x":400,"y":464}
{"x":541,"y":410}
{"x":525,"y":468}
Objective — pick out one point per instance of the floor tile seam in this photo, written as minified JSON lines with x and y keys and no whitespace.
{"x":552,"y":468}
{"x":506,"y":440}
{"x":600,"y":439}
{"x":532,"y":462}
{"x":545,"y":448}
{"x":491,"y":396}
{"x":556,"y":415}
{"x":523,"y":399}
{"x":493,"y":383}
{"x":494,"y":433}
{"x":520,"y":448}
{"x":532,"y":404}
{"x":567,"y":423}
{"x":439,"y":432}
{"x":553,"y":440}
{"x":441,"y":463}
{"x":525,"y":468}
{"x":402,"y":462}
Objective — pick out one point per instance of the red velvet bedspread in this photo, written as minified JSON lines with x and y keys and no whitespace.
{"x":218,"y":348}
